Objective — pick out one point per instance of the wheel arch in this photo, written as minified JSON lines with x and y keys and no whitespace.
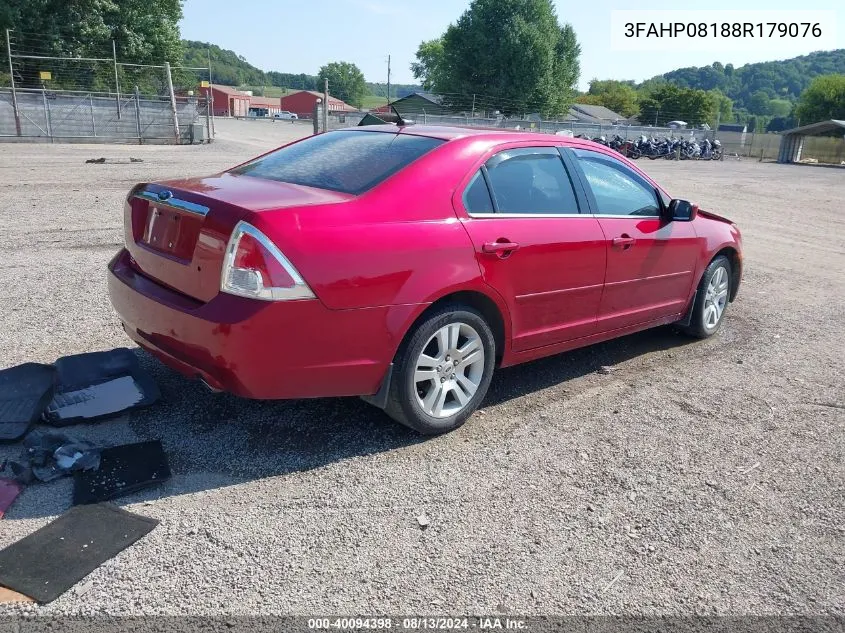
{"x":733,"y":256}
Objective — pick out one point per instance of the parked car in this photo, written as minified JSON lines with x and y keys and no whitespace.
{"x":285,"y":115}
{"x":404,"y":264}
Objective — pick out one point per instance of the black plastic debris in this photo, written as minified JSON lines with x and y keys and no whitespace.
{"x":51,"y":560}
{"x":25,"y":391}
{"x":123,"y":470}
{"x":97,"y":385}
{"x":49,"y":455}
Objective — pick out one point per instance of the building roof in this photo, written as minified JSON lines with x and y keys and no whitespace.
{"x":334,"y":102}
{"x":230,"y":90}
{"x":264,"y":102}
{"x":822,"y":127}
{"x":596,"y":112}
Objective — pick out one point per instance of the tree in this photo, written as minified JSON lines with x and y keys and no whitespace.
{"x":724,"y":106}
{"x":823,"y":99}
{"x":513,"y":55}
{"x":618,"y":96}
{"x":430,"y":68}
{"x":144,"y":32}
{"x":759,"y":103}
{"x":346,"y":82}
{"x":780,"y":107}
{"x":670,"y":103}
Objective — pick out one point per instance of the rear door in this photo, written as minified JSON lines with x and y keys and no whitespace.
{"x":650,"y":262}
{"x":533,"y":244}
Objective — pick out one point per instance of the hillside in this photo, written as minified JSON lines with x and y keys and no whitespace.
{"x":784,"y":79}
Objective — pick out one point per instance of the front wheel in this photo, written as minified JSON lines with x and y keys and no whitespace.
{"x":711,"y":299}
{"x":442,"y":371}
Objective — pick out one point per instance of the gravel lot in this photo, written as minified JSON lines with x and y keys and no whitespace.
{"x":708,"y":473}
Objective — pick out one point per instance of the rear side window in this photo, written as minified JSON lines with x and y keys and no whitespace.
{"x":477,"y":196}
{"x":531,"y":180}
{"x":347,"y":161}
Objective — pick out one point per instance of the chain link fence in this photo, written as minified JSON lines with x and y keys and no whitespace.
{"x":99,"y":99}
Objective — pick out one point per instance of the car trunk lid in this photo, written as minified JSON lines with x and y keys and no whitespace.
{"x":177,"y":231}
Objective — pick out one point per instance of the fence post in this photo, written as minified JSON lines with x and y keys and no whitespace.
{"x":208,"y":118}
{"x":138,"y":115}
{"x":172,"y":101}
{"x":93,"y":124}
{"x":116,"y":80}
{"x":47,"y":113}
{"x":325,"y":105}
{"x":210,"y":92}
{"x":12,"y":79}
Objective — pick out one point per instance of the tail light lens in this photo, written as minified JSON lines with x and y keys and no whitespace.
{"x":254,"y":267}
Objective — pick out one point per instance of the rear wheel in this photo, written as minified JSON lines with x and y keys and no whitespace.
{"x":442,"y":371}
{"x":711,"y":300}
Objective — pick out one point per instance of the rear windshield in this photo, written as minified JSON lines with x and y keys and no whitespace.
{"x":347,"y":161}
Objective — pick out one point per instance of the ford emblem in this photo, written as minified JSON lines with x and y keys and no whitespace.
{"x":164,"y":195}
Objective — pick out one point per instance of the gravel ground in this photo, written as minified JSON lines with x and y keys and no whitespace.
{"x":708,"y":474}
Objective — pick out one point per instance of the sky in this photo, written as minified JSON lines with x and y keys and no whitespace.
{"x":298,"y":37}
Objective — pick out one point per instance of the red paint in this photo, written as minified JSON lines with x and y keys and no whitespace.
{"x":376,"y":262}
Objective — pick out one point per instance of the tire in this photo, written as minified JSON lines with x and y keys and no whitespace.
{"x":714,"y":291}
{"x":421,"y":404}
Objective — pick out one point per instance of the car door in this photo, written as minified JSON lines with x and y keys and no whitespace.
{"x":522,"y":211}
{"x":650,"y":261}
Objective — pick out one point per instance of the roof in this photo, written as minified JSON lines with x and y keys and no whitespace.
{"x":822,"y":127}
{"x":448,"y":133}
{"x":229,"y":90}
{"x":334,"y":102}
{"x":267,"y":102}
{"x":596,"y":112}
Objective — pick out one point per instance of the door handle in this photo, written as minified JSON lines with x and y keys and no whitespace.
{"x":624,"y":241}
{"x":502,"y":248}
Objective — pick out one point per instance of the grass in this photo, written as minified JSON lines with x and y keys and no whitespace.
{"x":373,"y":101}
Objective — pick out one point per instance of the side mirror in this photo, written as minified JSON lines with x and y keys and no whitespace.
{"x":682,"y":211}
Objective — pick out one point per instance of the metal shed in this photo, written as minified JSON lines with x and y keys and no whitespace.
{"x":792,"y":141}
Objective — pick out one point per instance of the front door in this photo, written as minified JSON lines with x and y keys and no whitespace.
{"x":650,"y":262}
{"x":534,"y":246}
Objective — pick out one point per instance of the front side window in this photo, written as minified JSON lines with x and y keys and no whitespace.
{"x":616,"y":189}
{"x":349,"y":161}
{"x":531,"y":180}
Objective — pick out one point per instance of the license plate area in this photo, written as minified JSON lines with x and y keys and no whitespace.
{"x":169,"y":231}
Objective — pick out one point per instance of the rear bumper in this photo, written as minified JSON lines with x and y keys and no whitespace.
{"x":255,"y":349}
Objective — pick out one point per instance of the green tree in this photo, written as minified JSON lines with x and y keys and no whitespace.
{"x":144,"y":31}
{"x":619,"y":96}
{"x":430,"y":68}
{"x":513,"y":54}
{"x":823,"y":99}
{"x":724,"y":106}
{"x":780,"y":107}
{"x":346,"y":82}
{"x":759,"y":103}
{"x":671,"y":103}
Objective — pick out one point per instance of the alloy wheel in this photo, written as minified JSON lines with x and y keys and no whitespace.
{"x":716,"y":298}
{"x":449,"y":370}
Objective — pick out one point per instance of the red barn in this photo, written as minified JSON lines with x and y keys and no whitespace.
{"x":302,"y":104}
{"x":228,"y":101}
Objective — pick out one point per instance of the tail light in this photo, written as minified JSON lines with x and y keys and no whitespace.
{"x":254,"y":267}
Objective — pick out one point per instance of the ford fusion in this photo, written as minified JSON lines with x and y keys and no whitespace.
{"x":405,"y":264}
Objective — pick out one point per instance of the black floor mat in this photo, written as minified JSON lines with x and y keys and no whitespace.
{"x":123,"y":470}
{"x":51,"y":560}
{"x":97,"y":385}
{"x":25,"y":391}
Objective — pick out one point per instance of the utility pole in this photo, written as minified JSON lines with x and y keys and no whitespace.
{"x":210,"y":101}
{"x":325,"y":105}
{"x":388,"y":80}
{"x":172,"y":101}
{"x":116,"y":80}
{"x":473,"y":105}
{"x":12,"y":79}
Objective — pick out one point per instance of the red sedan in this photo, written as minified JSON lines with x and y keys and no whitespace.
{"x":403,"y":264}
